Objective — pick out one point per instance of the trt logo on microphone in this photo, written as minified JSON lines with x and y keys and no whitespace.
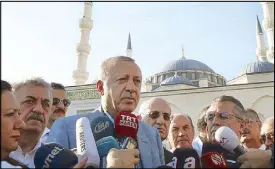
{"x":128,"y":121}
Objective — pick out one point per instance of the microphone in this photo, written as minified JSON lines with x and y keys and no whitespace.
{"x":126,"y":124}
{"x":102,"y":127}
{"x":164,"y":166}
{"x":103,"y":147}
{"x":85,"y":143}
{"x":186,"y":158}
{"x":229,"y":140}
{"x":212,"y":156}
{"x":52,"y":155}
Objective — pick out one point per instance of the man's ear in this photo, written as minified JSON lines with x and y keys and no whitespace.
{"x":99,"y":86}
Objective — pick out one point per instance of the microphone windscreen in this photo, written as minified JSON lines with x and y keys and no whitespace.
{"x":102,"y":127}
{"x":212,"y":156}
{"x":227,"y":138}
{"x":85,"y":142}
{"x":105,"y":144}
{"x":126,"y":124}
{"x":187,"y":158}
{"x":52,"y":155}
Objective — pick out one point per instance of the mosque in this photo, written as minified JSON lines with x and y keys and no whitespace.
{"x":189,"y":85}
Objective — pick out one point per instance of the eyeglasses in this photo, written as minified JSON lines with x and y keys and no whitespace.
{"x":222,"y":116}
{"x":156,"y":114}
{"x":249,"y":121}
{"x":66,"y":102}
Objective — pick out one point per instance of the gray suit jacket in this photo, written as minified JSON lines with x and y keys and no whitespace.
{"x":149,"y":142}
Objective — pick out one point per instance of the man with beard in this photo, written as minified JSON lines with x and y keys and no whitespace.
{"x":59,"y":107}
{"x":35,"y":98}
{"x":157,"y":112}
{"x":251,"y":136}
{"x":225,"y":111}
{"x":119,"y":85}
{"x":267,"y":132}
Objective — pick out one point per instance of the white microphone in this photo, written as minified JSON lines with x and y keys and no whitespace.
{"x":85,"y":143}
{"x":229,"y":140}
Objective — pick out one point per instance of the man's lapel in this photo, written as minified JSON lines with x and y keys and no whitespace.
{"x":144,"y":149}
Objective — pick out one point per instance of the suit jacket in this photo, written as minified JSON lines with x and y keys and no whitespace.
{"x":63,"y":132}
{"x":168,"y":156}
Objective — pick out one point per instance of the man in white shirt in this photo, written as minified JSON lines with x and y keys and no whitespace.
{"x":35,"y":98}
{"x":202,"y":135}
{"x":59,"y":107}
{"x":251,"y":135}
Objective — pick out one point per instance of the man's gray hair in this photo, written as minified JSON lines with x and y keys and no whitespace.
{"x":239,"y":108}
{"x":266,"y":124}
{"x":184,"y":115}
{"x":108,"y":63}
{"x":36,"y":81}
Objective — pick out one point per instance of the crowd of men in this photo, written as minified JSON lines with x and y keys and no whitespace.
{"x":43,"y":107}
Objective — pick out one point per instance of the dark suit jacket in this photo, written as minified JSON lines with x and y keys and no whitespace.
{"x":167,"y":155}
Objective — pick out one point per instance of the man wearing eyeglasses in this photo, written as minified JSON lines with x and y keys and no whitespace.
{"x":251,"y":137}
{"x":157,"y":112}
{"x":59,"y":107}
{"x":267,"y":132}
{"x":225,"y":111}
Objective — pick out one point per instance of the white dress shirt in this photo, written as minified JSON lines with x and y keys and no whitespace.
{"x":197,"y":145}
{"x":28,"y":158}
{"x":263,"y":147}
{"x":5,"y":164}
{"x":45,"y":135}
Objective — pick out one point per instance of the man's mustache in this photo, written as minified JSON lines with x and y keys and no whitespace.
{"x":59,"y":110}
{"x":36,"y":116}
{"x":246,"y":131}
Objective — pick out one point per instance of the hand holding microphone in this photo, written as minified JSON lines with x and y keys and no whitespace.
{"x":124,"y":158}
{"x":256,"y":159}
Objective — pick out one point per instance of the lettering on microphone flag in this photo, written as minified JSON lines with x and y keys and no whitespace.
{"x":126,"y":124}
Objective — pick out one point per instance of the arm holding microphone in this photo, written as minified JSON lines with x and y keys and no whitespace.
{"x":124,"y":158}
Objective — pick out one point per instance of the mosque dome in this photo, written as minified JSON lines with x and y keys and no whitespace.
{"x":258,"y":67}
{"x":177,"y":80}
{"x":186,"y":64}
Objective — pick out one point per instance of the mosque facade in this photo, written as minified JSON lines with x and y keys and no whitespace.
{"x":189,"y":85}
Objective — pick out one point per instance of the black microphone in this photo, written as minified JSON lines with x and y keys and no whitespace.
{"x":52,"y":155}
{"x":186,"y":158}
{"x":164,"y":166}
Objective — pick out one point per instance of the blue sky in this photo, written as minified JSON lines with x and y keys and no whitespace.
{"x":39,"y":38}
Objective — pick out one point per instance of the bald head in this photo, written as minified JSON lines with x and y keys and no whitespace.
{"x":267,"y":132}
{"x":156,"y":112}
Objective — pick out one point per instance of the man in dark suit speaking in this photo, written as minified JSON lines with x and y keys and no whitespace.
{"x":119,"y":85}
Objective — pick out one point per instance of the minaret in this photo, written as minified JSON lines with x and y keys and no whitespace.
{"x":83,"y":48}
{"x":268,"y":24}
{"x":129,"y":47}
{"x":260,"y":49}
{"x":182,"y":53}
